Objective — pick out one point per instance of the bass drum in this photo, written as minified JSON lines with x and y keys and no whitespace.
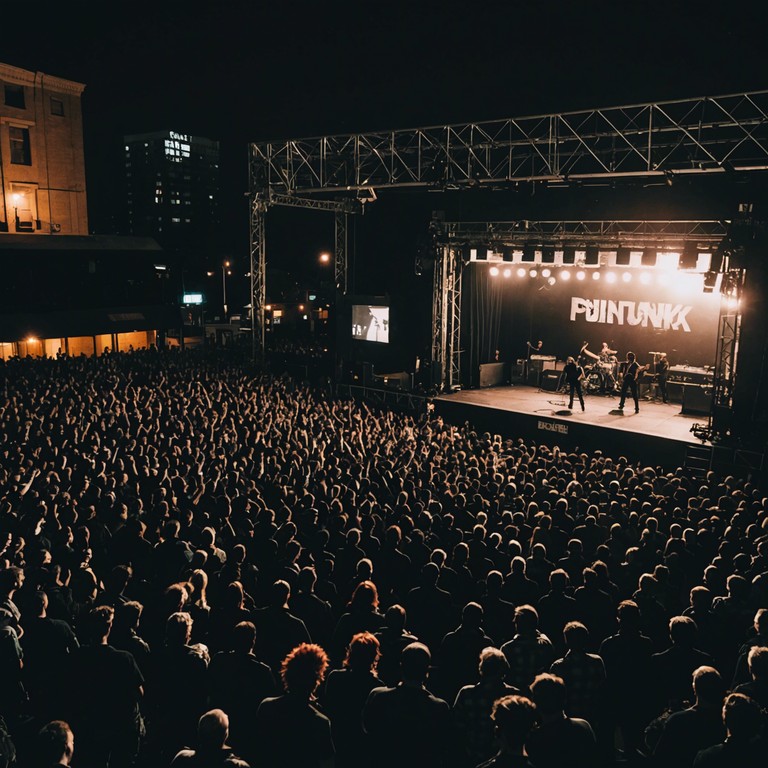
{"x":595,"y":382}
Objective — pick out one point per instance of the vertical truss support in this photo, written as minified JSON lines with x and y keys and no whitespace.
{"x":258,"y":276}
{"x":446,"y":319}
{"x":728,"y":333}
{"x":340,"y":257}
{"x":439,"y":318}
{"x":453,"y":299}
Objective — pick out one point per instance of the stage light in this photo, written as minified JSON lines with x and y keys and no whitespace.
{"x":507,"y":272}
{"x":581,"y":274}
{"x":494,"y":271}
{"x":626,"y":277}
{"x":710,"y":281}
{"x":551,"y":280}
{"x":521,"y":272}
{"x":546,"y":272}
{"x":611,"y":277}
{"x":732,"y":302}
{"x":645,"y":278}
{"x":595,"y":275}
{"x":565,"y":275}
{"x":533,"y":273}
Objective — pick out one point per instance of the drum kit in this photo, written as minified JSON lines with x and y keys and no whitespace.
{"x":602,"y":377}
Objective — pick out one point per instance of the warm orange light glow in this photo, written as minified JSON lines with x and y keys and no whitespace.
{"x":325,"y":258}
{"x":268,"y":307}
{"x":31,"y":340}
{"x":301,"y":307}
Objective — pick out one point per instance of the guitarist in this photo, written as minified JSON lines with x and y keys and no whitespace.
{"x":630,"y":382}
{"x":574,"y":373}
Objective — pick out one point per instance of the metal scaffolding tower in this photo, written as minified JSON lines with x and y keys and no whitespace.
{"x":699,"y":136}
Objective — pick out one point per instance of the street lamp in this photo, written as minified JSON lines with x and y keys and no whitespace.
{"x":225,"y":270}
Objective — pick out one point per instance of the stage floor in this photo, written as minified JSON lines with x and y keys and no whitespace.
{"x":655,"y":418}
{"x":660,"y":433}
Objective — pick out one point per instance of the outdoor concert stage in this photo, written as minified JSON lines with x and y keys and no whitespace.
{"x":660,"y":434}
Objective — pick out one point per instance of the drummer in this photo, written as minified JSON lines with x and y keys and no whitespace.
{"x":608,"y":355}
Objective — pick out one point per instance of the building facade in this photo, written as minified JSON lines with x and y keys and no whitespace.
{"x":172,"y":186}
{"x":42,"y":164}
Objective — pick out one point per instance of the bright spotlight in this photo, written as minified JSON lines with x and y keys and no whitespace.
{"x":645,"y":278}
{"x":551,"y":280}
{"x":581,"y":274}
{"x":611,"y":277}
{"x":521,"y":272}
{"x":31,"y":340}
{"x":533,"y":273}
{"x":507,"y":272}
{"x":595,"y":275}
{"x":494,"y":271}
{"x":626,"y":277}
{"x":546,"y":272}
{"x":732,"y":302}
{"x":565,"y":275}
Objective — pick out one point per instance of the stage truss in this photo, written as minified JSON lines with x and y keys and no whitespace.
{"x":340,"y":174}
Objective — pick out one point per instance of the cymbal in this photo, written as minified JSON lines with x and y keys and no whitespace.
{"x":657,"y":353}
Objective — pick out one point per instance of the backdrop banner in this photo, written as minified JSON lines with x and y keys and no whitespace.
{"x":675,"y":316}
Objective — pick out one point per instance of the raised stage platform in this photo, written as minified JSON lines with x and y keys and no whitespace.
{"x":660,"y":434}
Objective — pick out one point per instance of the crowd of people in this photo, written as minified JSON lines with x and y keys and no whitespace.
{"x":204,"y":565}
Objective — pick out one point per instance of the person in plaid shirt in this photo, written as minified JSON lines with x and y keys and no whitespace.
{"x":473,"y":705}
{"x":583,"y":673}
{"x":529,"y":651}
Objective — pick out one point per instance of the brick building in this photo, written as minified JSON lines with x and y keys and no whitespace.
{"x":42,"y":164}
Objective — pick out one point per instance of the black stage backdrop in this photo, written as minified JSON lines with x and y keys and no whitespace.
{"x":501,"y":314}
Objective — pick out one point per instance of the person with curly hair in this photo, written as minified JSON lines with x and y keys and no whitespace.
{"x":291,"y":729}
{"x":345,"y":694}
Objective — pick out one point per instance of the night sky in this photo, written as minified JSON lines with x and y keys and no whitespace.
{"x":241,"y":71}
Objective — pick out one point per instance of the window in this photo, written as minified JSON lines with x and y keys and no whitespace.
{"x":57,"y":106}
{"x":14,"y":96}
{"x":20,"y":149}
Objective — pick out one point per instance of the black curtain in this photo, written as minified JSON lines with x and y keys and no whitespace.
{"x":482,"y":297}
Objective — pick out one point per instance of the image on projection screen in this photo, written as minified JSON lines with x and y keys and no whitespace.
{"x":370,"y":323}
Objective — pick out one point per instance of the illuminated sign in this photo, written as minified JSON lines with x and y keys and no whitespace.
{"x":657,"y":314}
{"x":193,"y":298}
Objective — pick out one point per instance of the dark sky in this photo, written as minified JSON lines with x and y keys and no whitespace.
{"x":241,"y":71}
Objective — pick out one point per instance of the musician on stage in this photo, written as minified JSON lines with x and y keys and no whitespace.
{"x":662,"y":369}
{"x":606,"y":353}
{"x":574,"y":373}
{"x":630,"y":382}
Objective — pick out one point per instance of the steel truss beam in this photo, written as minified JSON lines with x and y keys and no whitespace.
{"x":446,"y":318}
{"x":260,"y":201}
{"x":258,"y":277}
{"x":629,"y":233}
{"x":341,"y":262}
{"x":690,"y":136}
{"x":726,"y":353}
